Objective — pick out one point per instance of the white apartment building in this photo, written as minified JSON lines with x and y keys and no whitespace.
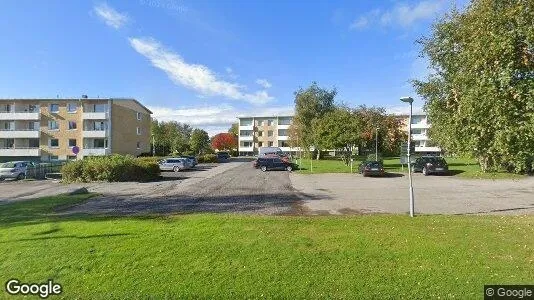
{"x":268,"y":131}
{"x":420,"y":126}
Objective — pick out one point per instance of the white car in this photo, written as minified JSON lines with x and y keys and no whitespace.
{"x":14,"y":169}
{"x":173,"y":164}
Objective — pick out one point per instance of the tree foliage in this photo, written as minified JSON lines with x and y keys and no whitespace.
{"x":200,"y":141}
{"x":480,"y":97}
{"x":224,"y":141}
{"x":234,"y":129}
{"x":310,"y":104}
{"x":170,"y":136}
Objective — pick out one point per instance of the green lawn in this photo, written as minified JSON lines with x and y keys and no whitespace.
{"x":285,"y":257}
{"x":461,"y":167}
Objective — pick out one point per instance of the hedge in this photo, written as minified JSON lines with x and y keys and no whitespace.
{"x":110,"y":168}
{"x":207,"y":158}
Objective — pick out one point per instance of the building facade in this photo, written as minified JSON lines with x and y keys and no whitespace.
{"x":420,"y":139}
{"x":270,"y":131}
{"x":49,"y":129}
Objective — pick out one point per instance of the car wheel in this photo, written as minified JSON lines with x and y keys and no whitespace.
{"x":20,"y":176}
{"x":289,"y":168}
{"x":2,"y":179}
{"x":425,"y":171}
{"x":176,"y":169}
{"x":263,"y":168}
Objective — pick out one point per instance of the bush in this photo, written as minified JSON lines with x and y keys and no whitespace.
{"x":111,"y":168}
{"x":207,"y":158}
{"x":233,"y":153}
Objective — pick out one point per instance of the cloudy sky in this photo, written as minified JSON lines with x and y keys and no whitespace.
{"x":207,"y":62}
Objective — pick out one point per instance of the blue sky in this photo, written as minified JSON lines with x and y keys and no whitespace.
{"x":206,"y":62}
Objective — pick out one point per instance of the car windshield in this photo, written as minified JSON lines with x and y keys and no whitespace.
{"x":7,"y":165}
{"x":436,"y":159}
{"x":374,"y":164}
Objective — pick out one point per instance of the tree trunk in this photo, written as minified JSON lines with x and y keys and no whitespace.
{"x":318,"y":154}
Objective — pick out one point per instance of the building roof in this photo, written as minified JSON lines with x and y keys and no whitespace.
{"x":77,"y":98}
{"x":266,"y":116}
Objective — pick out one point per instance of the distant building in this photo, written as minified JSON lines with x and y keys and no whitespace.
{"x":49,"y":129}
{"x":420,"y":139}
{"x":269,"y":131}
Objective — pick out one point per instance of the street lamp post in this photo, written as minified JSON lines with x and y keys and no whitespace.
{"x":376,"y":145}
{"x":412,"y":205}
{"x":153,"y":146}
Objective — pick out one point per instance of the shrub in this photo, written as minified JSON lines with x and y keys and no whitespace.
{"x":207,"y":158}
{"x":111,"y":168}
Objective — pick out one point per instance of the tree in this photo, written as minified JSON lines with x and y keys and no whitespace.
{"x":200,"y":141}
{"x":224,"y":141}
{"x":338,"y":129}
{"x":180,"y":144}
{"x":234,"y":129}
{"x":480,"y":97}
{"x":310,"y":104}
{"x":170,"y":136}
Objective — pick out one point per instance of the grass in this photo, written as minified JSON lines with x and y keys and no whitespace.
{"x":284,"y":257}
{"x":461,"y":167}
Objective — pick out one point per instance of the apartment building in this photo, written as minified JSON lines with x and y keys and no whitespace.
{"x":49,"y":129}
{"x":420,"y":139}
{"x":269,"y":131}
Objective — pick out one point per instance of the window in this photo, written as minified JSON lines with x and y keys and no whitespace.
{"x":138,"y":116}
{"x":260,"y":133}
{"x":33,"y":143}
{"x":282,"y":132}
{"x":72,"y":142}
{"x":270,"y":144}
{"x":270,"y":133}
{"x":269,"y":122}
{"x":54,"y":157}
{"x":138,"y":131}
{"x":138,"y":145}
{"x":32,"y":108}
{"x":53,"y":125}
{"x":72,"y":125}
{"x":53,"y":143}
{"x":283,"y":144}
{"x":33,"y":125}
{"x":54,"y":108}
{"x":71,"y":157}
{"x":247,"y":144}
{"x":284,"y":121}
{"x":99,"y":125}
{"x":99,"y":143}
{"x":260,"y":144}
{"x":72,"y":108}
{"x":260,"y":122}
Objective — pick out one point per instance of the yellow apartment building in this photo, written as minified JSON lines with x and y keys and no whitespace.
{"x":51,"y":129}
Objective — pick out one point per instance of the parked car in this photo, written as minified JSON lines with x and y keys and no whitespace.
{"x":223,"y":155}
{"x":275,"y":163}
{"x":264,"y":151}
{"x":371,"y":168}
{"x":15,"y":169}
{"x":194,"y":159}
{"x":189,"y":163}
{"x":173,"y":164}
{"x":431,"y":165}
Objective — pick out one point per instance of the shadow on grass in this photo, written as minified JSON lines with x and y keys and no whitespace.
{"x":55,"y":237}
{"x":91,"y":207}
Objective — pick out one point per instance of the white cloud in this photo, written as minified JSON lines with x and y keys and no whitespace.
{"x":264,"y":83}
{"x":405,"y":109}
{"x":194,"y":76}
{"x":213,"y":119}
{"x":402,"y":14}
{"x":110,"y":16}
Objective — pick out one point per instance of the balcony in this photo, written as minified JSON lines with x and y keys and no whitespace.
{"x":283,"y":138}
{"x":95,"y":115}
{"x":283,"y":126}
{"x":20,"y":151}
{"x":20,"y":116}
{"x":20,"y":133}
{"x":419,"y":137}
{"x":427,"y":149}
{"x":246,"y":127}
{"x":95,"y":151}
{"x":246,"y":149}
{"x":246,"y":138}
{"x":421,"y":126}
{"x":94,"y":134}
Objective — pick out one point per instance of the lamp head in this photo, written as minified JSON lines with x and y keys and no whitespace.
{"x":407,"y":99}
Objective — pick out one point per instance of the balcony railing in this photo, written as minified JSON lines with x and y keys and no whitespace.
{"x":20,"y":151}
{"x":19,"y":115}
{"x":89,"y":151}
{"x":95,"y":133}
{"x":19,"y":133}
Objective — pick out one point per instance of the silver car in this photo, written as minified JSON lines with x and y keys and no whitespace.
{"x":173,"y":164}
{"x":14,"y":169}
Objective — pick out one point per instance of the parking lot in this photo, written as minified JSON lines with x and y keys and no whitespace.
{"x":236,"y":187}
